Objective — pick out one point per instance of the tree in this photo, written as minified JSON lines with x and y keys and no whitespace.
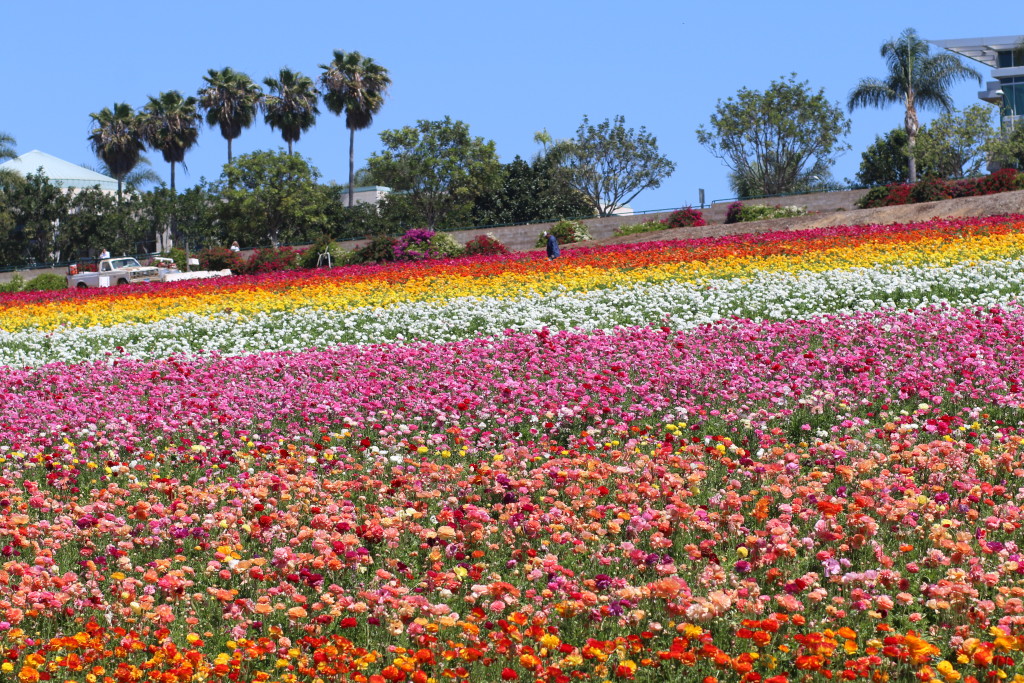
{"x":610,"y":164}
{"x":777,"y":141}
{"x":38,"y":209}
{"x":117,"y":140}
{"x":170,"y":124}
{"x":229,"y":99}
{"x":531,"y":192}
{"x":439,"y":165}
{"x":915,"y":78}
{"x":884,"y":162}
{"x":7,"y":143}
{"x":290,"y":106}
{"x":269,"y":197}
{"x":354,"y":85}
{"x":957,"y":143}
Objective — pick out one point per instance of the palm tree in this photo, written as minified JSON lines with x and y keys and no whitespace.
{"x":354,"y":85}
{"x":116,"y":138}
{"x":170,"y":124}
{"x":290,"y":106}
{"x":142,"y":174}
{"x":229,"y":100}
{"x":7,"y":143}
{"x":915,"y":78}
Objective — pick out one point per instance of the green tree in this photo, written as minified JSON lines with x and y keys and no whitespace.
{"x":270,"y":197}
{"x":531,"y":192}
{"x":439,"y":166}
{"x":957,"y":143}
{"x":916,"y":78}
{"x":229,"y":99}
{"x":884,"y":162}
{"x":38,"y":210}
{"x":290,"y":104}
{"x":116,"y":138}
{"x":7,"y":144}
{"x":610,"y":164}
{"x":170,"y":124}
{"x":355,"y":86}
{"x":776,"y":141}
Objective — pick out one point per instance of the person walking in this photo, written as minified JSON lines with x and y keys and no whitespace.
{"x":553,"y":250}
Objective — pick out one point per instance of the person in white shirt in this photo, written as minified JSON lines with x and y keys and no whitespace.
{"x":104,"y":253}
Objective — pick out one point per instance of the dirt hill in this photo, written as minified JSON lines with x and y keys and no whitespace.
{"x":1004,"y":203}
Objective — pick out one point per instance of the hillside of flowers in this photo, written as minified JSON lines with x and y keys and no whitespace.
{"x":780,"y":457}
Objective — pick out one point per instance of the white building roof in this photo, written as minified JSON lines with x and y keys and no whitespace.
{"x":60,"y":172}
{"x":984,"y":50}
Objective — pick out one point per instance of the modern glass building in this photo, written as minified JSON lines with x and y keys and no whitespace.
{"x":1005,"y":55}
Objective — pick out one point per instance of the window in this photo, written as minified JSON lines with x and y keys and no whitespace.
{"x":1009,"y":58}
{"x":1013,"y":96}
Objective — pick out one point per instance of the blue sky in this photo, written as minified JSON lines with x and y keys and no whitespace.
{"x":507,"y":69}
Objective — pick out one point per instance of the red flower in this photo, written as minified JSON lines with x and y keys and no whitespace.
{"x":508,"y":674}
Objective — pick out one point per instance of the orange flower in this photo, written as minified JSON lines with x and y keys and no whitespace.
{"x":297,"y":613}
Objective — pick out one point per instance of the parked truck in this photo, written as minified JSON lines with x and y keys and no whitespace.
{"x":109,"y":272}
{"x":125,"y":270}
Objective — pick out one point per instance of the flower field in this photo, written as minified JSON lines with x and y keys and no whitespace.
{"x":780,"y":457}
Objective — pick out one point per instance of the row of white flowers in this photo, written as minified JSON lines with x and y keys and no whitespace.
{"x":681,"y":305}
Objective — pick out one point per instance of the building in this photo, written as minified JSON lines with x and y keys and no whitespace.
{"x":370,"y":194}
{"x":62,"y":173}
{"x":1005,"y":56}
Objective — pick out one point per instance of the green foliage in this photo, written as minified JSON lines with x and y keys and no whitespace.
{"x":1007,"y":148}
{"x":530,"y":193}
{"x":45,"y":282}
{"x":443,"y":245}
{"x":36,"y":209}
{"x":764,"y":212}
{"x":611,"y":164}
{"x":229,"y":99}
{"x":117,"y":140}
{"x":323,"y":244}
{"x":14,"y":284}
{"x":180,"y":258}
{"x":290,"y":104}
{"x":7,"y":143}
{"x":170,"y":124}
{"x":776,"y":141}
{"x":270,"y":197}
{"x":930,"y":190}
{"x":380,"y":249}
{"x":956,"y":144}
{"x":636,"y":228}
{"x":566,"y":232}
{"x":441,"y":168}
{"x":884,"y":162}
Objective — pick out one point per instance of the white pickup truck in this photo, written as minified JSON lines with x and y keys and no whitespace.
{"x":110,"y":271}
{"x":127,"y":270}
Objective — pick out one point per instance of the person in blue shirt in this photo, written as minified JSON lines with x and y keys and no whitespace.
{"x":553,"y":250}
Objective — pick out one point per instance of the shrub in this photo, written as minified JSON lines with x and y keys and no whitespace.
{"x":219,"y":258}
{"x":1003,"y":180}
{"x":272,"y":260}
{"x":930,"y":190}
{"x":485,"y":245}
{"x":566,"y":232}
{"x":311,"y":256}
{"x":686,"y":218}
{"x":413,"y":245}
{"x":15,"y":284}
{"x":179,"y":257}
{"x":734,"y":213}
{"x":45,"y":282}
{"x":763,"y":212}
{"x":380,"y":249}
{"x":637,"y":228}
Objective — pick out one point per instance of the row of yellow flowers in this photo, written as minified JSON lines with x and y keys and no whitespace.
{"x":931,"y":244}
